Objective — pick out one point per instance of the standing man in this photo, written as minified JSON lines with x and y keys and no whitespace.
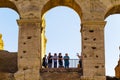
{"x":66,"y":60}
{"x":49,"y":60}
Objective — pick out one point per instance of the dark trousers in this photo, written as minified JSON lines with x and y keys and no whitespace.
{"x":80,"y":62}
{"x":55,"y":64}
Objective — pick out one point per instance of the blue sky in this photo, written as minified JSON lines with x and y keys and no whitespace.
{"x":63,"y":34}
{"x":9,"y":28}
{"x":63,"y":31}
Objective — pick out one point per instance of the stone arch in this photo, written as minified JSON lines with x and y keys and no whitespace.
{"x":112,"y":10}
{"x":8,"y":4}
{"x":53,"y":3}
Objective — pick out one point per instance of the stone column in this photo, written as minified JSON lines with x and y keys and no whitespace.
{"x":93,"y":50}
{"x":29,"y":50}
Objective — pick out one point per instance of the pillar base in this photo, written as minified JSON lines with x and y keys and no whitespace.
{"x":93,"y":78}
{"x":28,"y":74}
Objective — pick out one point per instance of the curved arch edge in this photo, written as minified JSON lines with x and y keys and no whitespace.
{"x":51,"y":4}
{"x":8,"y":4}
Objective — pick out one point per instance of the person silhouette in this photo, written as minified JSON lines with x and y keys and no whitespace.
{"x":60,"y":60}
{"x":80,"y":60}
{"x":66,"y":60}
{"x":44,"y":64}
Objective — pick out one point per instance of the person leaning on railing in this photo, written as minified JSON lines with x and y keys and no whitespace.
{"x":80,"y":60}
{"x":60,"y":60}
{"x":66,"y":60}
{"x":55,"y":57}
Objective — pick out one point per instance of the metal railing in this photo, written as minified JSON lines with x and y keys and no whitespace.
{"x":73,"y":63}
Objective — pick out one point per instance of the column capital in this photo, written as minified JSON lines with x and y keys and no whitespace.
{"x":93,"y":22}
{"x":28,"y":20}
{"x":22,"y":22}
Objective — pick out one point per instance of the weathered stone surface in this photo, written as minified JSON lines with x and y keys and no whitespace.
{"x":92,"y":14}
{"x":6,"y":76}
{"x":60,"y":74}
{"x":43,"y":70}
{"x":8,"y":65}
{"x":8,"y":62}
{"x":117,"y":70}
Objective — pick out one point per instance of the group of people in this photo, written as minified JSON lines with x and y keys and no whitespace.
{"x":56,"y":59}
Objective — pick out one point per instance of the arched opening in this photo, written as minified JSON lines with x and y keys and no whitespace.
{"x":9,"y":29}
{"x":63,"y":32}
{"x":8,"y":4}
{"x":62,"y":29}
{"x":112,"y":39}
{"x":70,"y":3}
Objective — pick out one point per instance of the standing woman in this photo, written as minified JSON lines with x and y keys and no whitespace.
{"x":60,"y":60}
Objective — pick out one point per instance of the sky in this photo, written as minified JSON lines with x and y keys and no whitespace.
{"x":63,"y":34}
